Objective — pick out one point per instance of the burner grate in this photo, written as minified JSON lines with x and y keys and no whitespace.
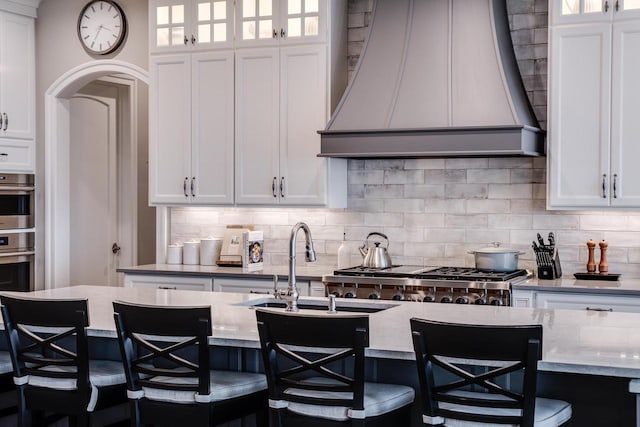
{"x":465,"y":273}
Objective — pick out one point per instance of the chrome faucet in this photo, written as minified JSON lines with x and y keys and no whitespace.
{"x":291,"y":296}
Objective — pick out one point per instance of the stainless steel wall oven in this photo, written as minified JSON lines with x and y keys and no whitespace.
{"x":17,"y":233}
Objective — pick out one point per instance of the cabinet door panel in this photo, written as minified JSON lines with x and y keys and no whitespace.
{"x":168,"y":283}
{"x":302,"y":113}
{"x":169,"y":129}
{"x":598,"y":304}
{"x":257,"y":132}
{"x":17,"y":76}
{"x":625,"y":132}
{"x":212,"y":124}
{"x":579,"y":119}
{"x":169,"y":24}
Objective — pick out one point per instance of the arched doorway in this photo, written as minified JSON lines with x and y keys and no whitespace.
{"x":57,"y":260}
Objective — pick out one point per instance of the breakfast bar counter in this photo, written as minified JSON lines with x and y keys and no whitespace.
{"x":594,"y":353}
{"x":595,"y":343}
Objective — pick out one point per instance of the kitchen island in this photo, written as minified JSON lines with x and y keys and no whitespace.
{"x":588,"y":357}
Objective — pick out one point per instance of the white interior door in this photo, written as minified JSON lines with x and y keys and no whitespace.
{"x":93,"y":190}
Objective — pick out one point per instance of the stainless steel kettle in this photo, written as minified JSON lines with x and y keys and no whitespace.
{"x":375,"y":256}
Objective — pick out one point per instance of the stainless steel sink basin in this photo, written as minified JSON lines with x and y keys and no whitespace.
{"x":342,"y":306}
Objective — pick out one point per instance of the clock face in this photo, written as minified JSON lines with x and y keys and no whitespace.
{"x":101,"y":26}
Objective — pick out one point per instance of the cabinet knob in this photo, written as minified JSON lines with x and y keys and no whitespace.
{"x":186,"y":40}
{"x":606,"y":6}
{"x":193,"y":39}
{"x":282,"y":32}
{"x":275,"y":34}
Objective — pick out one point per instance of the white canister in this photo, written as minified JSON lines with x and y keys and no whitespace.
{"x":191,"y":253}
{"x":174,"y":254}
{"x":210,"y":250}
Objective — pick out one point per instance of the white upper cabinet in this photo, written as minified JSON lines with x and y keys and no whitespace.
{"x":580,"y":11}
{"x":191,"y":129}
{"x":17,"y":77}
{"x":180,"y":25}
{"x":281,"y":101}
{"x":274,"y":22}
{"x":594,"y":96}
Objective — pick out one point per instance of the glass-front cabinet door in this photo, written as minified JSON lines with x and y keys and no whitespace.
{"x":184,"y":25}
{"x":575,"y":11}
{"x":274,"y":22}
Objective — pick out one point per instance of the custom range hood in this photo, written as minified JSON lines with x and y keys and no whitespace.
{"x":436,"y":78}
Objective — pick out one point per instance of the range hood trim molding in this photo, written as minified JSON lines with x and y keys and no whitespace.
{"x":482,"y":141}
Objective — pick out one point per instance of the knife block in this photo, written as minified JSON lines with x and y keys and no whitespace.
{"x":550,"y":272}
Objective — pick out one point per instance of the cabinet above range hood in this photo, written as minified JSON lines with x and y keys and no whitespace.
{"x":436,"y":78}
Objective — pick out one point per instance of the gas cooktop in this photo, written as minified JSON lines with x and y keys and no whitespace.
{"x":437,"y":273}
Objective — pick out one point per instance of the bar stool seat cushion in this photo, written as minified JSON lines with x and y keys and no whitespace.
{"x":378,"y":399}
{"x":548,"y":413}
{"x":102,"y":373}
{"x":223,"y":385}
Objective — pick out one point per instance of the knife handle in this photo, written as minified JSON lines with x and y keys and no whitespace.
{"x":591,"y":263}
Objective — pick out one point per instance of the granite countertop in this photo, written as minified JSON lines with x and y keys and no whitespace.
{"x":614,"y":287}
{"x":575,"y":341}
{"x":303,"y":272}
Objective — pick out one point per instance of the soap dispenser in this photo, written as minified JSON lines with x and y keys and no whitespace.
{"x":344,"y":257}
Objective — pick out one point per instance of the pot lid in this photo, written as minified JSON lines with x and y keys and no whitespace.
{"x":496,"y":248}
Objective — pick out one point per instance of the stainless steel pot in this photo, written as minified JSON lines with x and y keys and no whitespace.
{"x":375,"y":256}
{"x":496,"y":258}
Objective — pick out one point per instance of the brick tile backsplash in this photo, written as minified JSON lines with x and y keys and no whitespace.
{"x":435,"y":210}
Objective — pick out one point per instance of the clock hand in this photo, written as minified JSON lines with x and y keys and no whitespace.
{"x":97,"y":33}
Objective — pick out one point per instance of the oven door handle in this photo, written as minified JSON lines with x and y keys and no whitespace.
{"x":15,"y":254}
{"x":16,"y":188}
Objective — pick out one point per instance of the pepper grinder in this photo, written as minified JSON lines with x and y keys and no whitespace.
{"x":591,"y":263}
{"x":603,"y":267}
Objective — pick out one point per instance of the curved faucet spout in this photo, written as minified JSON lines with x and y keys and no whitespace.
{"x":310,"y":255}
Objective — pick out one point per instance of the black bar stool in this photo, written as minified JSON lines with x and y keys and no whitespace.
{"x":50,"y":358}
{"x":453,"y":393}
{"x":165,"y":351}
{"x":315,"y":367}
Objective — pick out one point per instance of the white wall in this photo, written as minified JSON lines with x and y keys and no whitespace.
{"x":59,"y":50}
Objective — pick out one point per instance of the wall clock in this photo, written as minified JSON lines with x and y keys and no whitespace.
{"x":102,"y":27}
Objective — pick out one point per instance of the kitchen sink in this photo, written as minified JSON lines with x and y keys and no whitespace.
{"x":322,"y":305}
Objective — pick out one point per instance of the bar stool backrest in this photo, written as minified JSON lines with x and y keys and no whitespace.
{"x":160,"y":344}
{"x":47,"y":338}
{"x":504,"y":349}
{"x":328,"y":349}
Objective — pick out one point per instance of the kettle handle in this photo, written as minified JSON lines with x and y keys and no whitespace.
{"x":375,"y":233}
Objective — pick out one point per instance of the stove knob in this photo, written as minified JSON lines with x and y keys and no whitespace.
{"x":462,"y":300}
{"x":480,"y":301}
{"x":397,"y":297}
{"x":445,"y":300}
{"x":496,"y":302}
{"x":429,"y":298}
{"x":349,"y":295}
{"x":374,"y":296}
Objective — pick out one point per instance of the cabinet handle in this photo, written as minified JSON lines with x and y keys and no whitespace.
{"x":251,"y":291}
{"x":615,"y":182}
{"x":273,"y":187}
{"x":6,"y":121}
{"x":186,"y":40}
{"x":604,"y":185}
{"x":617,"y":5}
{"x":1,"y":121}
{"x":168,"y":287}
{"x":282,"y":32}
{"x":275,"y":34}
{"x":599,"y":309}
{"x":4,"y":154}
{"x":193,"y":39}
{"x":282,"y":187}
{"x":606,"y":6}
{"x":184,"y":186}
{"x":193,"y":185}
